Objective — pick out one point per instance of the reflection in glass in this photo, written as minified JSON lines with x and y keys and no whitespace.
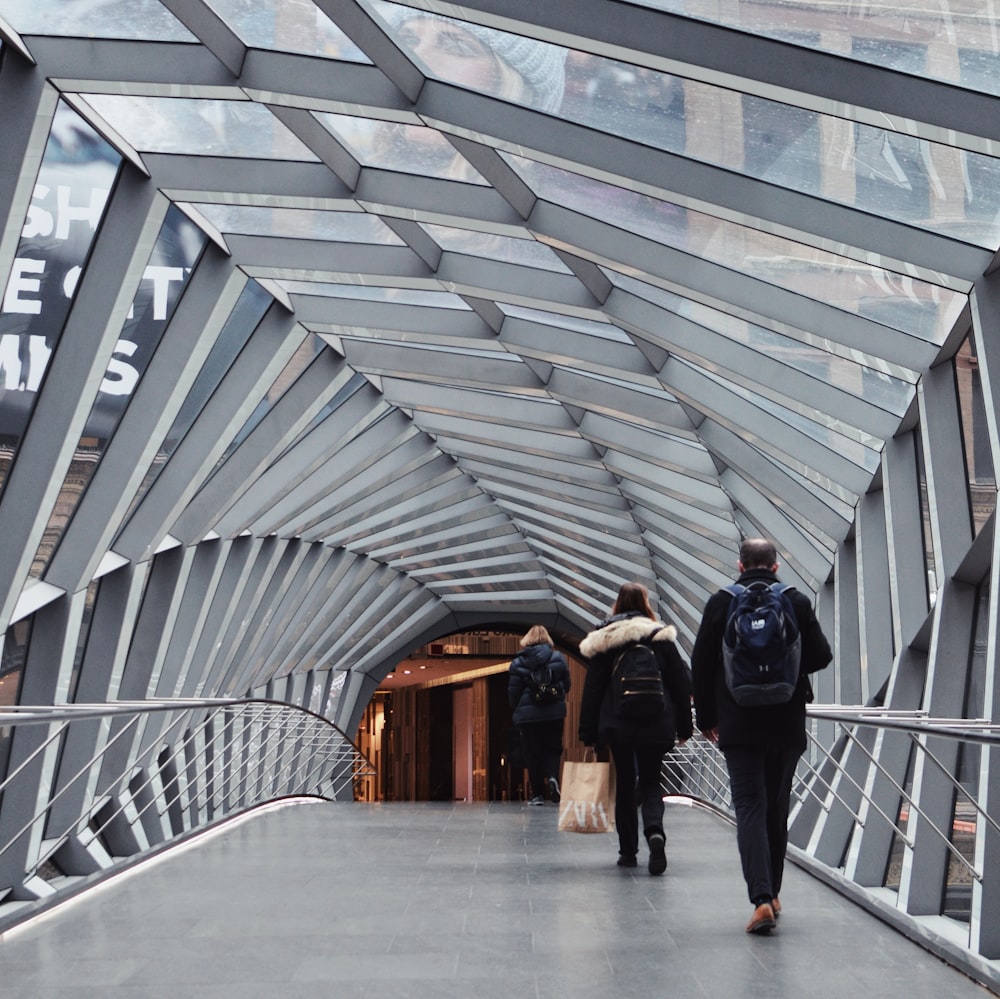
{"x":866,"y":377}
{"x":174,"y":254}
{"x":389,"y":145}
{"x":957,"y":902}
{"x":300,"y":360}
{"x":82,"y":637}
{"x":354,"y":384}
{"x":504,"y":65}
{"x":368,"y":293}
{"x":12,"y":660}
{"x":528,"y":252}
{"x":871,"y":31}
{"x":980,"y":473}
{"x":247,"y":313}
{"x":299,"y":223}
{"x":137,"y":19}
{"x":759,"y":137}
{"x":588,"y":327}
{"x":910,"y":305}
{"x":287,"y":27}
{"x":199,"y":127}
{"x":804,"y":419}
{"x":77,"y":173}
{"x":930,"y":562}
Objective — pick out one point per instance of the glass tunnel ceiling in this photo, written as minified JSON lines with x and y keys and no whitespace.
{"x":565,"y":295}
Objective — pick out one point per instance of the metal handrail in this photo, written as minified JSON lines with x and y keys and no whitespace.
{"x":843,"y":790}
{"x":144,"y":775}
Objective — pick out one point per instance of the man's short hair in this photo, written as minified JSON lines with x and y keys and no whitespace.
{"x":756,"y":553}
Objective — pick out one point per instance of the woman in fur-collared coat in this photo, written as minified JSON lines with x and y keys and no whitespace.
{"x":637,"y":745}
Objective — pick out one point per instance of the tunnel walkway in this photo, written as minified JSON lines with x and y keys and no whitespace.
{"x":432,"y":901}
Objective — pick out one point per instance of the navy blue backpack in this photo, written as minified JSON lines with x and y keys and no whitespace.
{"x":761,"y":646}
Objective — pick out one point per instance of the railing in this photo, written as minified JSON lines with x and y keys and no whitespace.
{"x":892,"y":808}
{"x":88,"y":790}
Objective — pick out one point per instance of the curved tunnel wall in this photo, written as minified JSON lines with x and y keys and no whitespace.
{"x":272,"y":417}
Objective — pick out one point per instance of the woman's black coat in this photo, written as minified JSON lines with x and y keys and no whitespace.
{"x":598,"y":721}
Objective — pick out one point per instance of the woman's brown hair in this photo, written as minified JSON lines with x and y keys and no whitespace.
{"x":633,"y":597}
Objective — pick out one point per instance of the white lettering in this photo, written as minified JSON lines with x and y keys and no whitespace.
{"x":39,"y":222}
{"x":20,"y":284}
{"x":161,"y":278}
{"x":71,"y":280}
{"x":10,"y":360}
{"x":121,"y":377}
{"x":587,"y":816}
{"x":18,"y":375}
{"x":40,"y":352}
{"x":67,"y":214}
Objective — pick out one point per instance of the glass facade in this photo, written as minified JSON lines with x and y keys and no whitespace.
{"x":445,"y":320}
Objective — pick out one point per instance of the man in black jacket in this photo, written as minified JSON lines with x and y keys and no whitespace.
{"x":762,"y":745}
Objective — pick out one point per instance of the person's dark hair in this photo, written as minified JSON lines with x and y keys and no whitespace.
{"x":633,"y":597}
{"x":758,"y":553}
{"x":537,"y":635}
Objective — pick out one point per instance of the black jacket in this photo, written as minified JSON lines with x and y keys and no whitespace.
{"x":520,"y":693}
{"x":775,"y":724}
{"x":598,"y":721}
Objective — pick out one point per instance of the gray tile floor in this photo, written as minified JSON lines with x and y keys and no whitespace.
{"x":436,"y":901}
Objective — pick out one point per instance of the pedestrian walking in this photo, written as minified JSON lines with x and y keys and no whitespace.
{"x":758,"y":629}
{"x":637,"y":701}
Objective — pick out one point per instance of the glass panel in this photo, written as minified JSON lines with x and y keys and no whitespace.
{"x":389,"y":145}
{"x":957,"y":901}
{"x":12,"y":659}
{"x":755,"y":136}
{"x":854,"y":451}
{"x":15,"y":651}
{"x":529,"y":252}
{"x":299,"y":223}
{"x":364,"y":293}
{"x":930,"y":563}
{"x":77,"y":172}
{"x":812,"y":355}
{"x":606,"y":331}
{"x":177,"y":248}
{"x":980,"y":473}
{"x":894,"y":862}
{"x":247,"y":313}
{"x":833,"y":494}
{"x":771,"y":258}
{"x":199,"y":127}
{"x":355,"y":383}
{"x":300,"y":360}
{"x":504,"y":65}
{"x":140,"y":19}
{"x":288,"y":27}
{"x":870,"y":31}
{"x":82,"y":637}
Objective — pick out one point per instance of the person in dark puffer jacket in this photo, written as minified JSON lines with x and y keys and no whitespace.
{"x":539,"y":725}
{"x":637,"y":745}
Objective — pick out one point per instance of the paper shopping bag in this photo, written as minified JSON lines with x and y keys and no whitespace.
{"x":587,"y":802}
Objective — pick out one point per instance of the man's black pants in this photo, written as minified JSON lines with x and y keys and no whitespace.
{"x":760,"y":779}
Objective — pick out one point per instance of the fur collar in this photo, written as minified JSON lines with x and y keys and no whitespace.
{"x":621,"y":632}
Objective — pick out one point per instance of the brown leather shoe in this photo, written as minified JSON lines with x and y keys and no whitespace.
{"x":762,"y":920}
{"x":776,"y":905}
